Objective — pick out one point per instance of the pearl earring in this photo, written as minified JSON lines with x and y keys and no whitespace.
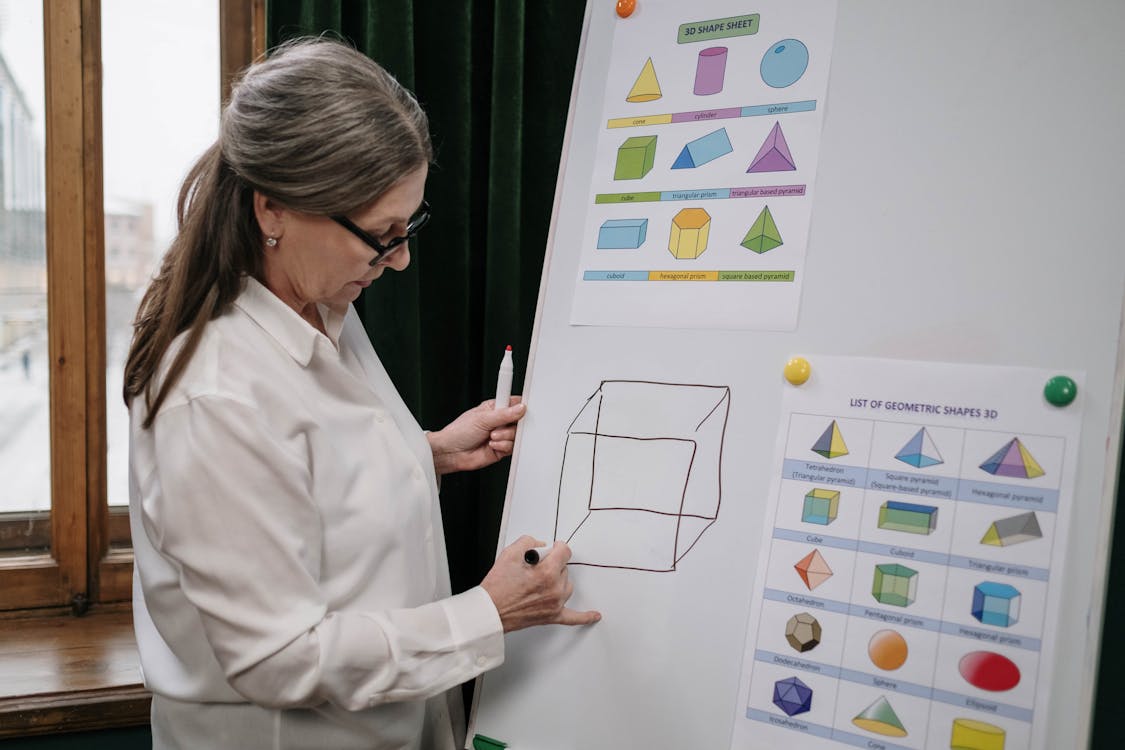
{"x":271,"y":241}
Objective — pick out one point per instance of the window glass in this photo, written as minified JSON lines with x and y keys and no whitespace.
{"x":160,"y":111}
{"x":25,"y":471}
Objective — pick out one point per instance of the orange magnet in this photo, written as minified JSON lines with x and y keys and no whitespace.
{"x":797,"y":370}
{"x":625,"y":8}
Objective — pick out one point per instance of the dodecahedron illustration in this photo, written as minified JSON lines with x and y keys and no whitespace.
{"x":803,"y":632}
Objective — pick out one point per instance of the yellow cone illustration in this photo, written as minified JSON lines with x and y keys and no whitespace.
{"x":646,"y":88}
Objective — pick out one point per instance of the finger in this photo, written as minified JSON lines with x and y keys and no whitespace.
{"x":574,"y":617}
{"x":560,"y":552}
{"x":502,"y":449}
{"x":491,"y":419}
{"x":502,"y":434}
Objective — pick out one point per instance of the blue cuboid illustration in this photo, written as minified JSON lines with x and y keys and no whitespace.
{"x":996,"y":603}
{"x":622,"y":234}
{"x":792,"y":696}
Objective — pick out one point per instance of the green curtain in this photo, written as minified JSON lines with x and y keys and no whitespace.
{"x":495,"y":79}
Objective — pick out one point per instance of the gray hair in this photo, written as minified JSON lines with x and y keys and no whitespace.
{"x":322,"y":128}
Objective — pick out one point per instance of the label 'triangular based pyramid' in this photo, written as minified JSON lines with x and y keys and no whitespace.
{"x":774,"y":154}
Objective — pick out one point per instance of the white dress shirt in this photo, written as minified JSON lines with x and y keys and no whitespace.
{"x":291,"y":588}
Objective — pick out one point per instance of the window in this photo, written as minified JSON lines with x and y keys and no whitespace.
{"x":152,"y":68}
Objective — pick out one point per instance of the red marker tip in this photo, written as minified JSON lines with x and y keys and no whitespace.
{"x":509,"y":348}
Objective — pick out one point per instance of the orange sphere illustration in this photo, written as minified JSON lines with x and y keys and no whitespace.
{"x":887,"y":650}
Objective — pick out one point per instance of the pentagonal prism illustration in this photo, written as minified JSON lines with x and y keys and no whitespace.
{"x":641,"y":476}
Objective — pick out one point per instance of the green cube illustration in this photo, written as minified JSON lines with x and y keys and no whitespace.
{"x":909,"y":517}
{"x":821,"y":506}
{"x":635,"y":157}
{"x":895,"y":584}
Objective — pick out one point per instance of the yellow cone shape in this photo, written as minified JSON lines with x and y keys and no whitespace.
{"x":970,"y":734}
{"x":646,"y":88}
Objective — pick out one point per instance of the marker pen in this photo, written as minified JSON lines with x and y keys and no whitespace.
{"x":504,"y":381}
{"x":535,"y":555}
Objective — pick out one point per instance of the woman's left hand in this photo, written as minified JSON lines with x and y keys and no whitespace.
{"x":479,"y":437}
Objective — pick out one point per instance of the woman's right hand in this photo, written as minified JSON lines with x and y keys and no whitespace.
{"x":527,"y":595}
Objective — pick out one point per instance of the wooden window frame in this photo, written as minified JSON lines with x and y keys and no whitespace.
{"x":82,"y":566}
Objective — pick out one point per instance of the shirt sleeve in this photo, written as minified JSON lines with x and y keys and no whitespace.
{"x":236,"y":518}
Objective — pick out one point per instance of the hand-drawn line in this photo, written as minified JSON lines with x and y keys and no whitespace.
{"x":641,"y":475}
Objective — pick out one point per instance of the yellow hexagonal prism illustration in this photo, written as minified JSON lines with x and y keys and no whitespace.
{"x":690,"y":228}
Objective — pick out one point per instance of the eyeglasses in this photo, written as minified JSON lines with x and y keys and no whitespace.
{"x":417,"y":221}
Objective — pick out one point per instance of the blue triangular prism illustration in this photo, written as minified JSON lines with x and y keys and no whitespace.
{"x":684,"y":160}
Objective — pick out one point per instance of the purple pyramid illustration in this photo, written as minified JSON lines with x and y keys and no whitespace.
{"x":1013,"y":460}
{"x":774,"y":154}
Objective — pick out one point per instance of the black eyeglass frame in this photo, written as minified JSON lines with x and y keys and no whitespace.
{"x":419,"y":220}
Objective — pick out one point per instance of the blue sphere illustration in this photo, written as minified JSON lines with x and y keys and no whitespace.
{"x":784,"y":63}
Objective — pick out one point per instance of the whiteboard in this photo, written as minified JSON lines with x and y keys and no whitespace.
{"x":966,"y":211}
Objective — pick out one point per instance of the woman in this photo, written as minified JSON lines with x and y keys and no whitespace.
{"x":291,"y":585}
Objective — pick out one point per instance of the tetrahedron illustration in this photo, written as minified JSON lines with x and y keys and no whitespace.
{"x":880,"y":718}
{"x":774,"y":154}
{"x":831,"y":443}
{"x":1005,"y":532}
{"x":763,"y":235}
{"x":703,"y":149}
{"x":1013,"y":460}
{"x":920,"y":451}
{"x":646,"y":88}
{"x":813,"y":569}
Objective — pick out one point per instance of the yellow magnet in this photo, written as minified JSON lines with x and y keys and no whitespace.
{"x":797,"y":370}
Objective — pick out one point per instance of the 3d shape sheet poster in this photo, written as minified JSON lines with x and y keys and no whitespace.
{"x":909,"y":581}
{"x":699,"y":208}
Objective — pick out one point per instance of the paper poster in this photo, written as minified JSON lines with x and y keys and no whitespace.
{"x":699,"y":206}
{"x":908,"y":586}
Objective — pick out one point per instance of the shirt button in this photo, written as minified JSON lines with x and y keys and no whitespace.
{"x":481,"y":661}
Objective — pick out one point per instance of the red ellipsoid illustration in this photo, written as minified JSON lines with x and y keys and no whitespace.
{"x":989,"y":671}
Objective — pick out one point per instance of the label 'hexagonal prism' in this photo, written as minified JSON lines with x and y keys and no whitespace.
{"x":690,"y":228}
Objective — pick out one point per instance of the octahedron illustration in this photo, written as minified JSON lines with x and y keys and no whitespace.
{"x":813,"y":569}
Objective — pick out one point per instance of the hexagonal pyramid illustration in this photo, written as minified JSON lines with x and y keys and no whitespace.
{"x":1005,"y":532}
{"x":813,"y":569}
{"x":1013,"y":460}
{"x":880,"y":718}
{"x":831,"y":442}
{"x":920,"y":451}
{"x":792,"y":696}
{"x":803,"y":632}
{"x":763,"y":235}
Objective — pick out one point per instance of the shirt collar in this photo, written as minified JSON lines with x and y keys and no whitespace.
{"x":284,"y":324}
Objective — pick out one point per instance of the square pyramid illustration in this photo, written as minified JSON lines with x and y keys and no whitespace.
{"x":920,"y":451}
{"x":763,"y":235}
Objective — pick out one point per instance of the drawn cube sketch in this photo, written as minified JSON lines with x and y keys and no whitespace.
{"x":641,"y":475}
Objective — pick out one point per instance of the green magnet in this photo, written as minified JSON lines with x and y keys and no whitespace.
{"x":1060,"y":390}
{"x":482,"y":742}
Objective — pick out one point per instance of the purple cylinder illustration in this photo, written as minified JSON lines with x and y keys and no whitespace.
{"x":710,"y":70}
